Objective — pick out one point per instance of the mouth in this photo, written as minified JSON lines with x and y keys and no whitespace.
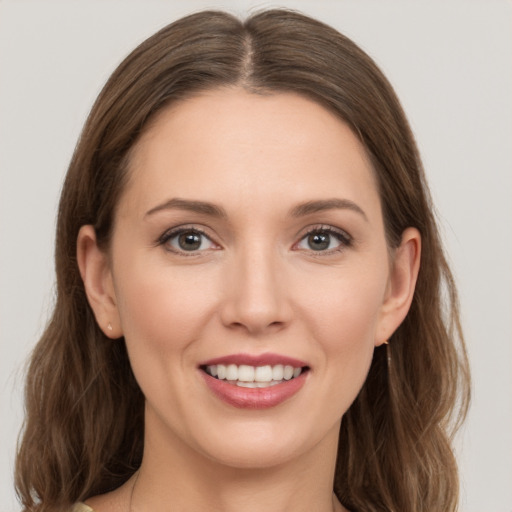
{"x":254,"y":382}
{"x":248,"y":376}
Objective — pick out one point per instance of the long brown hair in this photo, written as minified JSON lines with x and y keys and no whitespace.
{"x":83,"y":433}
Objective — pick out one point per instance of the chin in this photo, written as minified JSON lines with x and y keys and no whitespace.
{"x":263,"y":446}
{"x":255,"y":455}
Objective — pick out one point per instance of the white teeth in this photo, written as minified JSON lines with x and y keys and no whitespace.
{"x":277,"y":372}
{"x":263,"y":373}
{"x":246,"y":373}
{"x":288,"y":372}
{"x":257,"y":384}
{"x":253,"y":376}
{"x":232,"y":372}
{"x":221,"y":371}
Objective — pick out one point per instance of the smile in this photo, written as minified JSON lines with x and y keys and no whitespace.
{"x":254,"y":382}
{"x":253,"y":376}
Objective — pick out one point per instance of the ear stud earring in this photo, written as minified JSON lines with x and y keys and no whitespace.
{"x":109,"y":326}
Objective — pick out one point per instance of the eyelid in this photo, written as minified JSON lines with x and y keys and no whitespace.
{"x":178,"y":230}
{"x":346,"y":240}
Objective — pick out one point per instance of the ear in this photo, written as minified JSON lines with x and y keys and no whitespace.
{"x":404,"y":270}
{"x":96,"y":275}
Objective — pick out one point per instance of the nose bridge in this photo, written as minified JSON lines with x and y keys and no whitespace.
{"x":255,"y":295}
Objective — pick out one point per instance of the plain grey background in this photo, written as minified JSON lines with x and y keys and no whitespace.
{"x":450,"y":62}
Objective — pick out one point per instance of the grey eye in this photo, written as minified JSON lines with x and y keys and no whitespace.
{"x":324,"y":239}
{"x":189,"y":240}
{"x":319,"y":241}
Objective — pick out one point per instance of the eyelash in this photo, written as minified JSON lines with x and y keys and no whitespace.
{"x":344,"y":238}
{"x":175,"y":232}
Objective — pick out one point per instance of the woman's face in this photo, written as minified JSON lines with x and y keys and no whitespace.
{"x":250,"y":238}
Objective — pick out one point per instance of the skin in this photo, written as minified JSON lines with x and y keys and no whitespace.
{"x":256,"y":285}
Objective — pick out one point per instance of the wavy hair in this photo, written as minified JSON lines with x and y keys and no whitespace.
{"x":83,"y":432}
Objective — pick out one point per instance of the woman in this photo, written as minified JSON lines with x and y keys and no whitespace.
{"x":249,"y":309}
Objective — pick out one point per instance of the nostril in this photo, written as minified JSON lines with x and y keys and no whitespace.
{"x":255,"y":308}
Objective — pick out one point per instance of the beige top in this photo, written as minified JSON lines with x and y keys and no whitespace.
{"x":81,"y":507}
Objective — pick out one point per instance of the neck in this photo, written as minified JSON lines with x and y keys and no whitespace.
{"x":179,"y":478}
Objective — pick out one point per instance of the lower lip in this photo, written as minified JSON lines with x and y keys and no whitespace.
{"x":254,"y":398}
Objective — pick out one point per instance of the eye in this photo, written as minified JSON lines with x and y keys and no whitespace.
{"x":187,"y":240}
{"x":325,"y":239}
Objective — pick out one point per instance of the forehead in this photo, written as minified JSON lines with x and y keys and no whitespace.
{"x":232,"y":144}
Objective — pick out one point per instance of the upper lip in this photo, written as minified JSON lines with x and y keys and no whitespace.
{"x":255,"y":360}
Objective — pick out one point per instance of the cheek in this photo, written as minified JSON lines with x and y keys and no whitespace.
{"x":347,"y":335}
{"x":162,"y":309}
{"x":345,"y":306}
{"x":343,"y":320}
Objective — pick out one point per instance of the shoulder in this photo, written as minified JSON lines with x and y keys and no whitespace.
{"x":81,"y":507}
{"x":116,"y":500}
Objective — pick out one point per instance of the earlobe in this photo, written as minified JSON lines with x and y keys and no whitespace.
{"x":402,"y":282}
{"x":97,"y":278}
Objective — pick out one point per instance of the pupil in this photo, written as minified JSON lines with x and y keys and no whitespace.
{"x":189,"y":241}
{"x":319,"y":241}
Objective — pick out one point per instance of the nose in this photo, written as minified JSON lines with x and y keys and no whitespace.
{"x":255,"y":297}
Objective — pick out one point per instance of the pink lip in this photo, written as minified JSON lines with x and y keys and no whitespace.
{"x":254,"y":398}
{"x":255,"y":360}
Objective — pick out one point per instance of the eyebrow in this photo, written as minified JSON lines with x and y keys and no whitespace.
{"x":326,"y":204}
{"x":300,"y":210}
{"x":189,"y":205}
